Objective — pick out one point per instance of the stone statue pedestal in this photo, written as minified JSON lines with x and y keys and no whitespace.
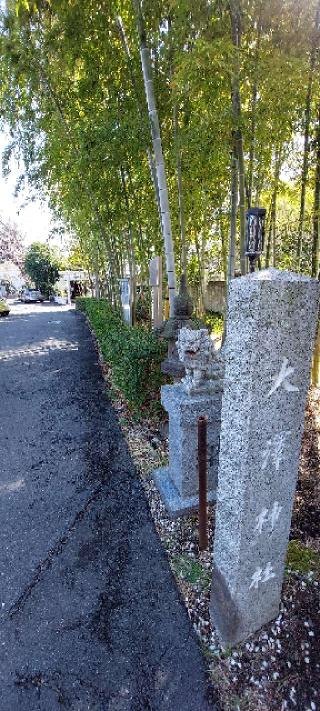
{"x":179,"y":483}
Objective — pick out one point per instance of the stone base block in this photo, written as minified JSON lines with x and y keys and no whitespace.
{"x":175,"y":504}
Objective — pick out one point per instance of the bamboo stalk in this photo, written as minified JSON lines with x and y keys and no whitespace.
{"x":159,"y":158}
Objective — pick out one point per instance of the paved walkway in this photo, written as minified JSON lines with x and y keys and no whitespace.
{"x":90,"y":614}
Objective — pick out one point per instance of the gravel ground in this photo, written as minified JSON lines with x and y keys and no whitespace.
{"x":91,"y":617}
{"x":277,"y":669}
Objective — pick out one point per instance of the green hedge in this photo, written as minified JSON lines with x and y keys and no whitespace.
{"x":133,"y":353}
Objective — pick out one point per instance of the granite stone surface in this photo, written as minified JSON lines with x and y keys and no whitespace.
{"x":202,"y":363}
{"x":175,"y":504}
{"x":270,"y":332}
{"x":179,"y":483}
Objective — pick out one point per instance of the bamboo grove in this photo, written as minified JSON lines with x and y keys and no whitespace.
{"x":151,"y":128}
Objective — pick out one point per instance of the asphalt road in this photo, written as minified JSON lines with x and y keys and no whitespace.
{"x":90,"y":614}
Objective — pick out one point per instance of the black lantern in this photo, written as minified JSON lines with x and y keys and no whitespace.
{"x":255,"y":234}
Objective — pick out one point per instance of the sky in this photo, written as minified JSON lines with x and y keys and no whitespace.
{"x":34,"y":219}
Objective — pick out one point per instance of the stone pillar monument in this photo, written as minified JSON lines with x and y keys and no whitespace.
{"x":199,"y":394}
{"x":270,"y":332}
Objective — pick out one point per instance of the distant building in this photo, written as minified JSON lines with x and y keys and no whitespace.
{"x":78,"y":280}
{"x":11,"y":277}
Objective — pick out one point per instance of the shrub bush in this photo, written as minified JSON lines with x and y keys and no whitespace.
{"x":133,"y":353}
{"x":214,"y":322}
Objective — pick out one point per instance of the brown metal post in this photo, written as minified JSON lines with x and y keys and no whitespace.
{"x":202,"y":465}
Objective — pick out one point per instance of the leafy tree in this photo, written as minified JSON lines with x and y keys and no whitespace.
{"x":11,"y":249}
{"x":239,"y":124}
{"x":42,"y":265}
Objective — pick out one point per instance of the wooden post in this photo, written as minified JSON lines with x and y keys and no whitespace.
{"x":155,"y":270}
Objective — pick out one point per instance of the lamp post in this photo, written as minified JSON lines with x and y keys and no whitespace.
{"x":255,"y":234}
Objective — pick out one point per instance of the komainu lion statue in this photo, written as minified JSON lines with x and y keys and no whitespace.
{"x":201,"y":362}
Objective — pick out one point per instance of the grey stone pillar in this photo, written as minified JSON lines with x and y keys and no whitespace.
{"x":270,"y":331}
{"x":179,"y":483}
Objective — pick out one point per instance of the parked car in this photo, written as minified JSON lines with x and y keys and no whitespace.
{"x":4,"y":307}
{"x":30,"y":295}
